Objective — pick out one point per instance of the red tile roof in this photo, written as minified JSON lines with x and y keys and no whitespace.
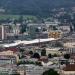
{"x":12,"y":49}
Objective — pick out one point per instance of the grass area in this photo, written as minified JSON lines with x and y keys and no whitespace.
{"x":2,"y":16}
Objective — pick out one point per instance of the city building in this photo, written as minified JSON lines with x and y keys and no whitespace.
{"x":35,"y":29}
{"x":5,"y":59}
{"x":68,"y":70}
{"x":55,"y":34}
{"x":53,"y":51}
{"x":4,"y":29}
{"x":10,"y":53}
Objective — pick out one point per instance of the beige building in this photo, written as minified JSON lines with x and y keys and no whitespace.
{"x":53,"y":51}
{"x":10,"y":53}
{"x":4,"y":29}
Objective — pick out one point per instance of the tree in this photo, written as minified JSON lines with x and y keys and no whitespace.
{"x":23,"y":28}
{"x":10,"y":27}
{"x":31,"y":52}
{"x":21,"y":50}
{"x":54,"y":28}
{"x":67,"y":56}
{"x":71,"y":29}
{"x":15,"y":74}
{"x":43,"y":52}
{"x":15,"y":21}
{"x":20,"y":19}
{"x":55,"y":55}
{"x":44,"y":29}
{"x":50,"y":72}
{"x":36,"y":55}
{"x":36,"y":30}
{"x":49,"y":56}
{"x":58,"y":44}
{"x":38,"y":63}
{"x":74,"y":26}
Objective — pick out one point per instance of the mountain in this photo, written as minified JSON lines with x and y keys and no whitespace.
{"x":34,"y":7}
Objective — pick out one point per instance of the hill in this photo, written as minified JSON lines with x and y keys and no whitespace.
{"x":33,"y":7}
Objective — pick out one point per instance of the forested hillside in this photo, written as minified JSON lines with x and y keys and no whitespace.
{"x":33,"y":7}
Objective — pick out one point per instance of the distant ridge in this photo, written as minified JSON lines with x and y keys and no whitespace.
{"x":33,"y":6}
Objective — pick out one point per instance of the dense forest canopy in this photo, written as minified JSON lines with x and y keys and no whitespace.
{"x":33,"y":7}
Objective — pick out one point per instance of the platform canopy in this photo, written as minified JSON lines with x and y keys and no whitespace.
{"x":16,"y":43}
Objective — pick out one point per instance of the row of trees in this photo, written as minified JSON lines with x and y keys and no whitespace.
{"x":43,"y":53}
{"x":35,"y":55}
{"x":29,"y":62}
{"x":50,"y":72}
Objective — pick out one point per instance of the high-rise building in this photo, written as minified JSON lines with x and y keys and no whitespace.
{"x":4,"y":29}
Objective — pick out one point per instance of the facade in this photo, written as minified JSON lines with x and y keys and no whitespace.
{"x":65,"y":28}
{"x":10,"y":54}
{"x":53,"y":51}
{"x":3,"y":32}
{"x":7,"y":60}
{"x":35,"y":29}
{"x":9,"y":30}
{"x":54,"y":34}
{"x":34,"y":70}
{"x":68,"y":70}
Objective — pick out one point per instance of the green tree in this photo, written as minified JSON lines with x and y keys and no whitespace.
{"x":38,"y":63}
{"x":31,"y":52}
{"x":20,"y":19}
{"x":36,"y":55}
{"x":67,"y":56}
{"x":54,"y":28}
{"x":23,"y":28}
{"x":43,"y":52}
{"x":71,"y":29}
{"x":50,"y":72}
{"x":49,"y":56}
{"x":15,"y":21}
{"x":55,"y":55}
{"x":44,"y":29}
{"x":74,"y":26}
{"x":15,"y":74}
{"x":36,"y":30}
{"x":21,"y":50}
